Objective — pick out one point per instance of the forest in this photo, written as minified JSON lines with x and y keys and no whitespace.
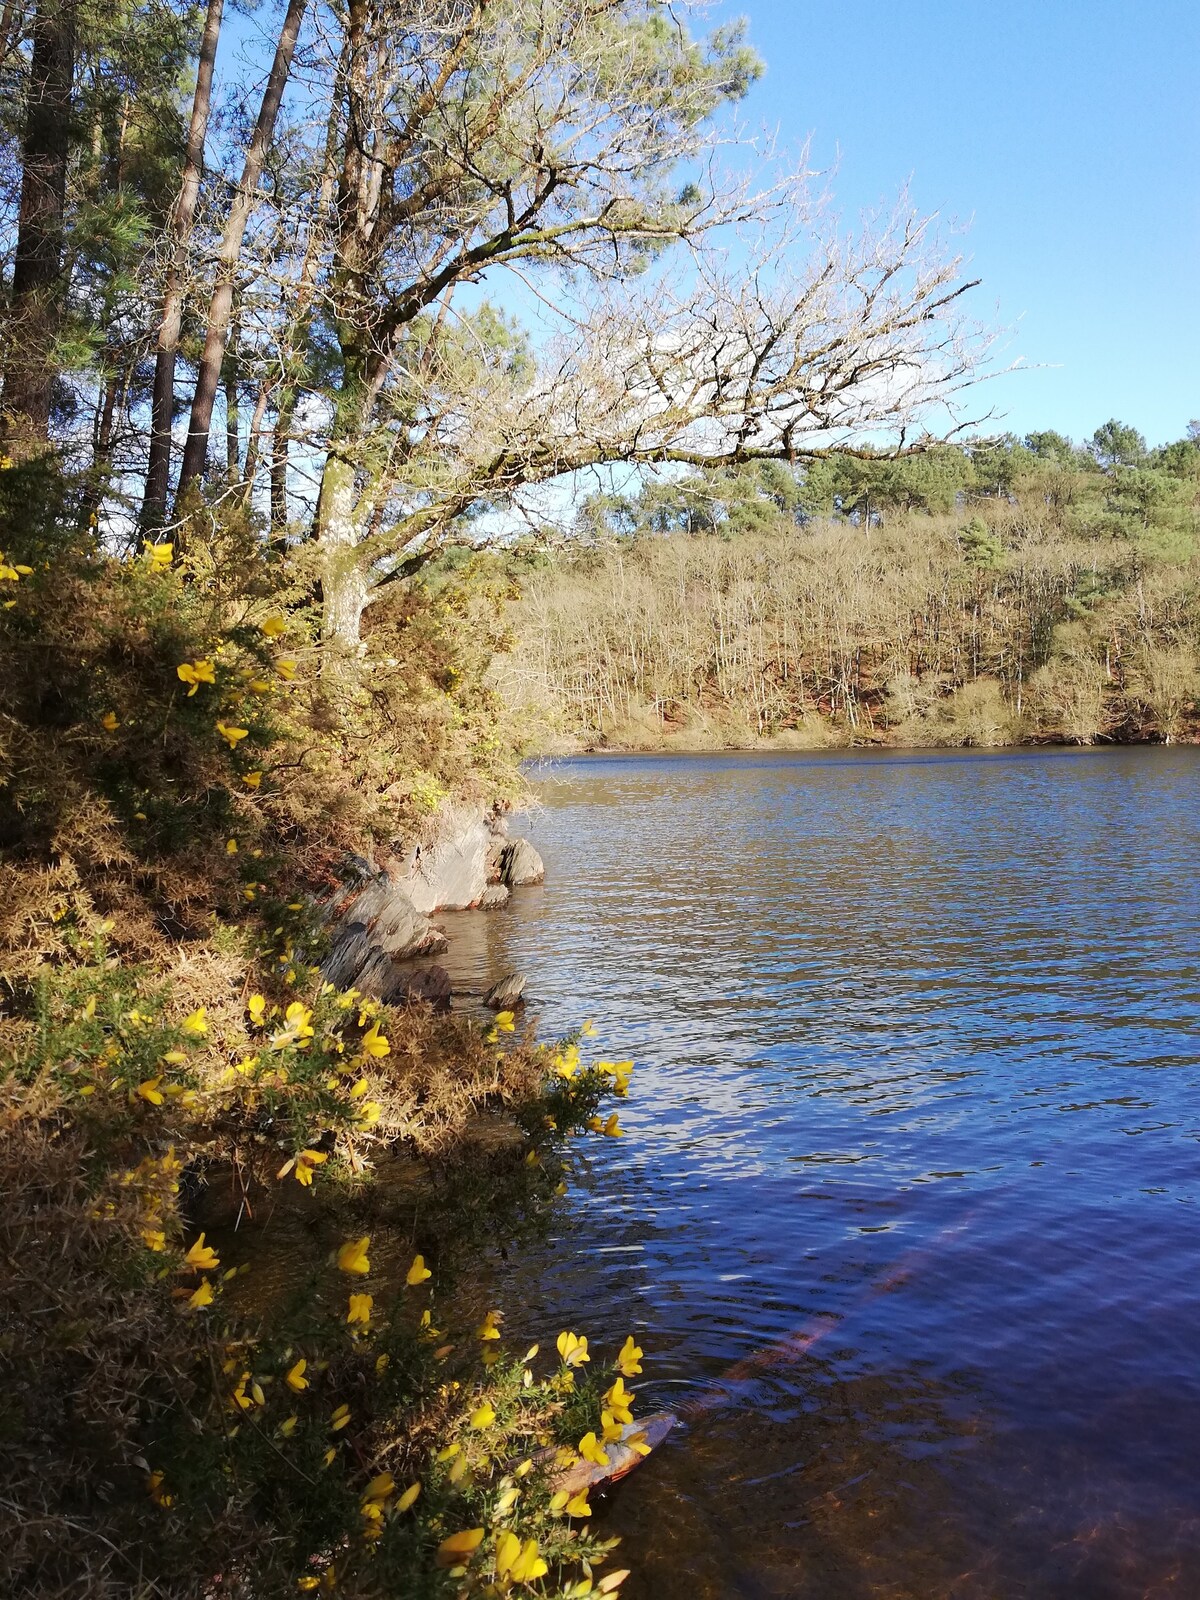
{"x":995,"y":593}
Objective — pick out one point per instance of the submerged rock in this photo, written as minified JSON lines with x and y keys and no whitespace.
{"x":506,"y":993}
{"x":493,"y":897}
{"x":520,"y":865}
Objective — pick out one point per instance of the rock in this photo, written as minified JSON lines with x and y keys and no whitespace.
{"x":451,"y":873}
{"x":379,"y":927}
{"x":520,"y":865}
{"x":507,"y":993}
{"x":431,"y":985}
{"x":495,"y":854}
{"x":493,"y":897}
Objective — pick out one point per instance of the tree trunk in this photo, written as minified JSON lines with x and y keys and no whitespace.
{"x":35,"y":308}
{"x":233,"y":440}
{"x":220,"y":308}
{"x":343,"y":581}
{"x":162,"y":405}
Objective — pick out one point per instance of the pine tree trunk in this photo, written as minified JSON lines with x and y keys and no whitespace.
{"x":35,"y":307}
{"x":343,"y":581}
{"x":220,"y":310}
{"x":162,"y":405}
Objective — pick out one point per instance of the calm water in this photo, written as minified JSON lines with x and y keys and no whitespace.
{"x":916,"y":1109}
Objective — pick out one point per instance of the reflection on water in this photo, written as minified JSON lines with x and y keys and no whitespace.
{"x":915,"y":1111}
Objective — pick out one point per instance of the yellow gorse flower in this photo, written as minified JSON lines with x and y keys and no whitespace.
{"x":159,"y":556}
{"x":375,"y":1043}
{"x":590,"y":1450}
{"x":305,"y":1162}
{"x":202,"y":1256}
{"x":196,"y":1026}
{"x":408,"y":1497}
{"x":505,"y":1022}
{"x":629,"y":1358}
{"x":202,"y":1297}
{"x":340,"y":1417}
{"x":619,"y":1401}
{"x":352,"y":1257}
{"x":483,"y":1416}
{"x":231,"y":734}
{"x":517,"y":1562}
{"x":195,"y":673}
{"x":150,"y":1091}
{"x":613,"y":1128}
{"x":257,"y":1008}
{"x":489,"y":1328}
{"x":459,"y":1547}
{"x":359,"y":1314}
{"x":13,"y":572}
{"x":273,"y":625}
{"x":417,"y":1273}
{"x":573,"y":1348}
{"x":111,"y":721}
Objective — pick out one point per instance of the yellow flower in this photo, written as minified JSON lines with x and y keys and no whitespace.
{"x":621,"y":1071}
{"x":340,"y":1417}
{"x":299,"y":1029}
{"x":611,"y":1429}
{"x":295,"y":1379}
{"x":231,"y":734}
{"x":505,"y":1022}
{"x":257,"y":1007}
{"x":589,"y":1449}
{"x":110,"y":721}
{"x":447,"y":1452}
{"x":261,"y":685}
{"x":417,"y":1273}
{"x":202,"y":1297}
{"x":196,"y":1026}
{"x":374,"y":1043}
{"x":352,"y":1257}
{"x":360,"y":1310}
{"x":578,"y":1506}
{"x":619,"y":1401}
{"x":459,"y":1547}
{"x":573,"y":1348}
{"x":380,"y":1487}
{"x":613,"y":1128}
{"x":327,"y":1458}
{"x":629,"y":1358}
{"x":408,"y":1497}
{"x":589,"y":1030}
{"x":195,"y":673}
{"x":369,"y":1113}
{"x":428,"y":1331}
{"x":489,"y":1328}
{"x":159,"y":556}
{"x":252,"y":779}
{"x":202,"y":1256}
{"x":517,"y":1562}
{"x":483,"y":1416}
{"x":288,"y":1427}
{"x":305,"y":1162}
{"x":286,"y":668}
{"x":273,"y":625}
{"x":155,"y":1238}
{"x":150,"y":1092}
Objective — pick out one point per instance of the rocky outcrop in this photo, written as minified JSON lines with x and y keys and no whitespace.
{"x":506,"y":993}
{"x":520,"y":865}
{"x":466,"y":861}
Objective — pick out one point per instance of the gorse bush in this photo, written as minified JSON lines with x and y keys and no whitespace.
{"x":230,"y":1189}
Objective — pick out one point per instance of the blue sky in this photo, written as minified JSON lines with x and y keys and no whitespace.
{"x":1066,"y":134}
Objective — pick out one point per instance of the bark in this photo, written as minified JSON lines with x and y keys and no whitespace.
{"x":35,"y":308}
{"x":343,"y":581}
{"x":158,"y":474}
{"x":220,"y":310}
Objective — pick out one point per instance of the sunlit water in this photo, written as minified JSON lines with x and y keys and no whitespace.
{"x":915,"y":1109}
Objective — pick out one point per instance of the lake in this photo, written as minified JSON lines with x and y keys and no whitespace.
{"x":913,"y":1147}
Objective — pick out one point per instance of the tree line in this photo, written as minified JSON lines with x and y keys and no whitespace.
{"x":998,"y":591}
{"x":267,"y":267}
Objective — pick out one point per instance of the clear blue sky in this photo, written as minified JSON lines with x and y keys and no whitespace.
{"x":1068,"y":133}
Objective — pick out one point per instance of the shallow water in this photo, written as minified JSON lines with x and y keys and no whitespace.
{"x":915,"y":1111}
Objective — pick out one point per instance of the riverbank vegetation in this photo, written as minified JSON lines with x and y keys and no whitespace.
{"x":990,"y":594}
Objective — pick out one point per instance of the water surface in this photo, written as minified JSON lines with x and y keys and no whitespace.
{"x":915,"y":1110}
